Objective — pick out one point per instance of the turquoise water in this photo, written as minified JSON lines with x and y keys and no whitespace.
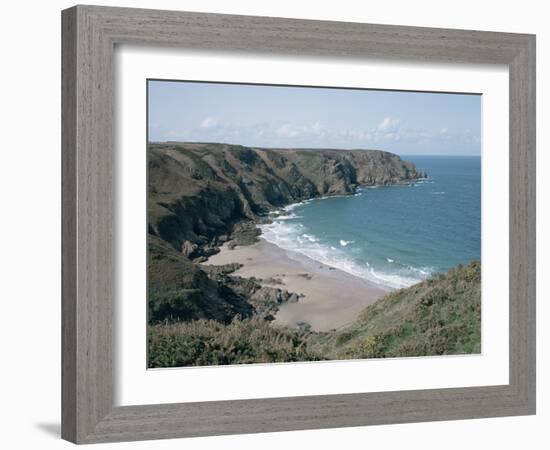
{"x":397,"y":235}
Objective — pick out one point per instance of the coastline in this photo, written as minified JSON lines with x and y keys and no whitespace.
{"x":233,"y":252}
{"x":330,"y":298}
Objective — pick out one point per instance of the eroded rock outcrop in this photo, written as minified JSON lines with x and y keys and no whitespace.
{"x":201,"y":195}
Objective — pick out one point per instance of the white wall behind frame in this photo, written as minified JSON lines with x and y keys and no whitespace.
{"x":30,"y":237}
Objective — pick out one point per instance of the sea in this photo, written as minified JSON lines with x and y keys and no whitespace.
{"x":394,"y":236}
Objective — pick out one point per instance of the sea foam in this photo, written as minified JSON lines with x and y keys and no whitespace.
{"x":402,"y":234}
{"x":290,"y":237}
{"x":344,"y":243}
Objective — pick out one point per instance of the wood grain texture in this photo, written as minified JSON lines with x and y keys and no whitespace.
{"x":68,"y":224}
{"x":522,"y":267}
{"x":89,"y":36}
{"x":87,"y":270}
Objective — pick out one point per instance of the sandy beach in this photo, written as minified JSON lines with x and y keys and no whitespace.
{"x":331,"y":298}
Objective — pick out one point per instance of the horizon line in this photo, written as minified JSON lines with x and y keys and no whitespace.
{"x":311,"y":148}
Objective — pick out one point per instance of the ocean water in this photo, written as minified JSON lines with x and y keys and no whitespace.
{"x":394,"y":236}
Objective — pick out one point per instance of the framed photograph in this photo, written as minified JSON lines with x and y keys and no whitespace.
{"x":277,"y":224}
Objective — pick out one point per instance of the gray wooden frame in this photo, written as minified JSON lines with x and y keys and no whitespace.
{"x":89,"y":36}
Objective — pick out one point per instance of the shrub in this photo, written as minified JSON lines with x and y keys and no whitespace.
{"x":207,"y":342}
{"x":440,"y":316}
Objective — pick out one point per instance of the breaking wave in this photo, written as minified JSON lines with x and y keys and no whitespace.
{"x":289,"y":235}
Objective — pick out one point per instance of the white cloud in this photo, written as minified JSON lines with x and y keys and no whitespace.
{"x":289,"y":130}
{"x":209,"y":122}
{"x":356,"y":135}
{"x":388,"y":125}
{"x":390,"y":134}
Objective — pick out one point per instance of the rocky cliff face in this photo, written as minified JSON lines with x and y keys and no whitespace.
{"x":197,"y":193}
{"x":179,"y":290}
{"x":201,"y":195}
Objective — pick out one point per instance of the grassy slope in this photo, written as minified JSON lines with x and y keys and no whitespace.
{"x":207,"y":342}
{"x":179,"y":289}
{"x":438,"y":316}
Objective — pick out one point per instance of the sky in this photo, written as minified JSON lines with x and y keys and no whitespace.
{"x":414,"y":123}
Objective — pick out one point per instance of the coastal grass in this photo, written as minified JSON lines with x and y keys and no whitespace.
{"x":180,"y":290}
{"x":208,"y":342}
{"x":203,"y":194}
{"x":439,"y":316}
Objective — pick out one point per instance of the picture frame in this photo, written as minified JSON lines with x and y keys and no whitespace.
{"x":89,"y":37}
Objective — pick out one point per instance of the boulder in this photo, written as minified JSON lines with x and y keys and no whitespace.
{"x":293,"y":298}
{"x":188,"y":248}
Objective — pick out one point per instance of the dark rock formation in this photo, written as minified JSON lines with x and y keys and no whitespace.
{"x":178,"y":289}
{"x":265,"y":300}
{"x":216,"y":271}
{"x":201,"y":195}
{"x":244,"y":233}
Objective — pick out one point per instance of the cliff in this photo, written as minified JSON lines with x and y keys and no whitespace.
{"x":182,"y":290}
{"x":201,"y":195}
{"x":179,"y":289}
{"x":197,"y":193}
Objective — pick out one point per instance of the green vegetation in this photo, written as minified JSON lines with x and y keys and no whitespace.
{"x":207,"y":342}
{"x":440,"y":316}
{"x":203,"y":195}
{"x":180,"y":290}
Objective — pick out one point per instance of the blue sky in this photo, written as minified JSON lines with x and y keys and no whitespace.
{"x":280,"y":116}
